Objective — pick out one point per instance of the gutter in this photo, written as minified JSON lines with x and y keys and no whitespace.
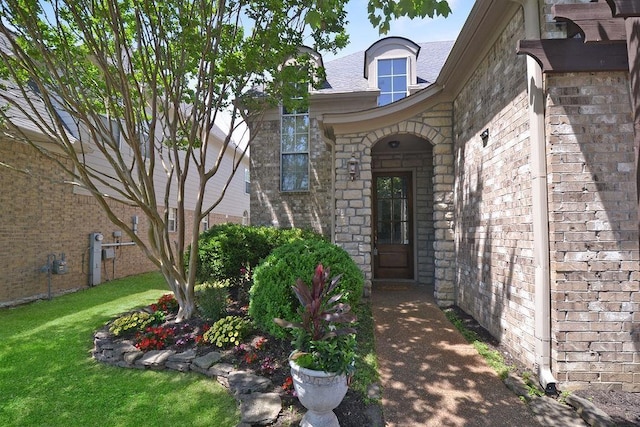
{"x":540,"y":211}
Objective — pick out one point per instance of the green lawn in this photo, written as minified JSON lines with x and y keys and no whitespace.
{"x":48,"y":378}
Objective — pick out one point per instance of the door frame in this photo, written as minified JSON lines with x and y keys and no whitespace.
{"x":410,"y":173}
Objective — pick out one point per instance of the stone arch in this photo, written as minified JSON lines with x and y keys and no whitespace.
{"x":432,"y":134}
{"x":353,"y":198}
{"x":438,"y":135}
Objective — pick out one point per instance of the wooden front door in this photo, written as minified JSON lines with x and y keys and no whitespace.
{"x":393,"y":226}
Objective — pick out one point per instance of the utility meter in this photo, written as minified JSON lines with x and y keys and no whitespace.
{"x":59,"y":266}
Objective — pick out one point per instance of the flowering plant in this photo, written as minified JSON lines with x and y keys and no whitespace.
{"x":154,"y":338}
{"x":167,"y":303}
{"x":322,"y":340}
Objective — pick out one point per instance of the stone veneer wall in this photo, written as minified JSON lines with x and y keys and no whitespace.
{"x":303,"y":209}
{"x":494,"y":240}
{"x":594,"y":230}
{"x":41,"y":215}
{"x":353,"y":228}
{"x":421,"y":165}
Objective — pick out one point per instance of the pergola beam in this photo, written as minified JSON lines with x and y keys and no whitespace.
{"x":572,"y":55}
{"x":594,"y":21}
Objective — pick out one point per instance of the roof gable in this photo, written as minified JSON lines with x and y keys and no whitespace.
{"x":345,"y":74}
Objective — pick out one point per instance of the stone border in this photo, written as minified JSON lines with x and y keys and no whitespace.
{"x":549,"y":411}
{"x":257,"y":406}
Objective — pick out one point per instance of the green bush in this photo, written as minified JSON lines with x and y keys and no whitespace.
{"x":212,"y":300}
{"x":228,"y":331}
{"x":226,"y":250}
{"x":271,"y":293}
{"x":132,"y":322}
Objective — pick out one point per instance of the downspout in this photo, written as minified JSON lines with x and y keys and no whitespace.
{"x":540,"y":211}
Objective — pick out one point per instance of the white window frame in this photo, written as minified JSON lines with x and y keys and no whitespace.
{"x":205,"y":222}
{"x":172,"y":220}
{"x":284,"y":153}
{"x":392,"y":75}
{"x":247,"y":181}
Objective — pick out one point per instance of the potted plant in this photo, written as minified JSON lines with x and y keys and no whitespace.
{"x":324,"y":348}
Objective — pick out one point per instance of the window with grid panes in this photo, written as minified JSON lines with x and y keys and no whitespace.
{"x":294,"y":149}
{"x":392,"y":80}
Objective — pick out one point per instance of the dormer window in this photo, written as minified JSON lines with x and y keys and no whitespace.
{"x":390,"y":66}
{"x":392,"y":80}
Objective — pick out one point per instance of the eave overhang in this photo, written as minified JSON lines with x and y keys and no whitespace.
{"x":375,"y":118}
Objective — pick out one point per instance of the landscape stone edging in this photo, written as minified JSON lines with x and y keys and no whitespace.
{"x":549,"y":411}
{"x":257,"y":406}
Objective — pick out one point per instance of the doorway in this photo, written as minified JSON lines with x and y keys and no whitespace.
{"x":393,"y":225}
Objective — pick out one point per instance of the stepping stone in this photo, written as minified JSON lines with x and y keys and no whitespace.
{"x":131,"y":357}
{"x":185,"y":356}
{"x":241,"y":382}
{"x":205,"y":362}
{"x":259,"y":408}
{"x":155,"y":358}
{"x":221,"y":369}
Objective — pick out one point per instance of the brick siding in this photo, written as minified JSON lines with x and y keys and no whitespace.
{"x":594,"y":230}
{"x":41,"y":215}
{"x":303,"y":209}
{"x":494,"y":240}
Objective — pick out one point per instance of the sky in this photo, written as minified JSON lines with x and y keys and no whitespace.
{"x":362,"y":34}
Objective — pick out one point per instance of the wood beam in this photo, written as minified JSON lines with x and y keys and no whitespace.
{"x":624,"y":8}
{"x":593,"y":19}
{"x":633,"y":47}
{"x":572,"y":55}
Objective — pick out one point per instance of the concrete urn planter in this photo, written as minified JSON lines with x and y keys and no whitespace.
{"x":320,"y":392}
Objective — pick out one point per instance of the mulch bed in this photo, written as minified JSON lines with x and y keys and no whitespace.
{"x":266,"y":356}
{"x":622,"y":407}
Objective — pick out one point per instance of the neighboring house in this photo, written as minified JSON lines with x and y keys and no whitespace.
{"x":44,"y":216}
{"x":509,"y":188}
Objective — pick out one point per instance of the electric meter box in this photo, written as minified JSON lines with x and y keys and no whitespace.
{"x":59,"y":266}
{"x":108,"y":253}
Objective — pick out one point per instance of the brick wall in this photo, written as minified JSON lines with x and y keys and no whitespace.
{"x":494,"y":241}
{"x":594,"y":230}
{"x":269,"y":206}
{"x":41,"y":215}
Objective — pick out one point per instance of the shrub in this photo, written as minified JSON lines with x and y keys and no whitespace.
{"x":271,"y":293}
{"x":228,"y":331}
{"x":167,"y":303}
{"x":212,"y":301}
{"x":226,"y":250}
{"x":154,"y":338}
{"x":132,"y":322}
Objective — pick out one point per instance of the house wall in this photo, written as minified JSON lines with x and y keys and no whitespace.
{"x":303,"y":209}
{"x":594,"y":230}
{"x":353,"y":227}
{"x":592,"y":215}
{"x":42,"y":215}
{"x":494,"y":241}
{"x":420,"y":164}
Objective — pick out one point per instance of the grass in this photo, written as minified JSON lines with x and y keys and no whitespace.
{"x":47,"y":377}
{"x":493,"y":357}
{"x":367,"y":372}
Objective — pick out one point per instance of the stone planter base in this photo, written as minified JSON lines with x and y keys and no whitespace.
{"x":320,"y":392}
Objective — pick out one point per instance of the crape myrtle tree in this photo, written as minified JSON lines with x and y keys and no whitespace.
{"x":141,"y":84}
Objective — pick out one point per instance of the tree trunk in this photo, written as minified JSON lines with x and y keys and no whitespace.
{"x":184,"y":293}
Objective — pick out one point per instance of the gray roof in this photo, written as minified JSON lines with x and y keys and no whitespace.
{"x":346,"y":74}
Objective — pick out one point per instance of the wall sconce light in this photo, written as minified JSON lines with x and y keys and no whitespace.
{"x":353,"y":167}
{"x":394,"y":144}
{"x":485,"y":137}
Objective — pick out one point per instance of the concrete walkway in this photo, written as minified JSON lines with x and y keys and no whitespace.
{"x":430,"y":375}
